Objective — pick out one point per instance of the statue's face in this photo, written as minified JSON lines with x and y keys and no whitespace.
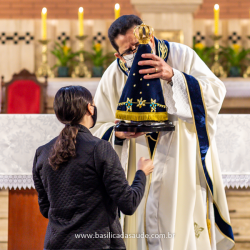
{"x":128,"y":42}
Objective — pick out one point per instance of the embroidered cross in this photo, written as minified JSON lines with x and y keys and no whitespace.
{"x":129,"y":104}
{"x":197,"y":230}
{"x":153,"y":105}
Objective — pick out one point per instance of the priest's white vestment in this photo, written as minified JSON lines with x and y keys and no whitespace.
{"x":185,"y":188}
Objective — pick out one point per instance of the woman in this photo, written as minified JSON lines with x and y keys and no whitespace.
{"x":80,"y":181}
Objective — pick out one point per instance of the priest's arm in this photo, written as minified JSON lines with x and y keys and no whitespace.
{"x":195,"y":88}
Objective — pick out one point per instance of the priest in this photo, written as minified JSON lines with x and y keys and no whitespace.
{"x":184,"y":206}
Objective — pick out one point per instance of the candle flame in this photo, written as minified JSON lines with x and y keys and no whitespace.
{"x":81,"y":9}
{"x":44,"y":10}
{"x":117,"y":6}
{"x":216,"y":6}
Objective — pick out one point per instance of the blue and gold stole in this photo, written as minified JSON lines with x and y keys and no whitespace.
{"x":199,"y":114}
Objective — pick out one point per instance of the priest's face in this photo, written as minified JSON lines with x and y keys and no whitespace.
{"x":128,"y":43}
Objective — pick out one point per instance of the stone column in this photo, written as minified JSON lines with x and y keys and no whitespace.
{"x":169,"y":15}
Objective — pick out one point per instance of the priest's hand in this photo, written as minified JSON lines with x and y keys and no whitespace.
{"x":127,"y":135}
{"x":160,"y":68}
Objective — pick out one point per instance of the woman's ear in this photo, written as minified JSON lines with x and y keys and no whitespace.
{"x":90,"y":109}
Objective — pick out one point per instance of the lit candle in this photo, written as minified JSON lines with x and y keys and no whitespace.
{"x":80,"y":20}
{"x":117,"y":10}
{"x":216,"y":19}
{"x":44,"y":24}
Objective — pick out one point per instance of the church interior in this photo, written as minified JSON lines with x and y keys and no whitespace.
{"x":46,"y":45}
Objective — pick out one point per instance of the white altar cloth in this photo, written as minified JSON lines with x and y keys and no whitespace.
{"x":21,"y":135}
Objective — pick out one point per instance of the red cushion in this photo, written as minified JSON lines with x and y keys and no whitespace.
{"x":23,"y":97}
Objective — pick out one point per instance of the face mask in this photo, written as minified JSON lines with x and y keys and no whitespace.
{"x":129,"y":60}
{"x":94,"y":116}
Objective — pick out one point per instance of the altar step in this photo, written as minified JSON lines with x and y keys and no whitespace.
{"x":4,"y":196}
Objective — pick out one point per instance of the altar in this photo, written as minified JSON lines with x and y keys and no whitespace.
{"x":21,"y":135}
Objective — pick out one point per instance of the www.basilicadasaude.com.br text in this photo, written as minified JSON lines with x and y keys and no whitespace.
{"x":111,"y":235}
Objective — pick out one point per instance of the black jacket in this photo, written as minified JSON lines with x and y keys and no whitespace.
{"x":80,"y":199}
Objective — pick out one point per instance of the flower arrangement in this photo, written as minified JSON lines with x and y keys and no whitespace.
{"x":205,"y":53}
{"x":98,"y":59}
{"x":64,"y":56}
{"x":236,"y":59}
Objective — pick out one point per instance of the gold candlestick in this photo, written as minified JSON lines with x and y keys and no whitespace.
{"x":81,"y":69}
{"x":217,"y":68}
{"x":44,"y":69}
{"x":246,"y":74}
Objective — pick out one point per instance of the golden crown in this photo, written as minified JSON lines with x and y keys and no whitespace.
{"x":143,"y":33}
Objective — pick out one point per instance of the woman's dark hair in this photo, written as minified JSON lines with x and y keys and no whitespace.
{"x":70,"y":106}
{"x":120,"y":26}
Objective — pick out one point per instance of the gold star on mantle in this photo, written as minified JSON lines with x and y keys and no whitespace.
{"x":141,"y":103}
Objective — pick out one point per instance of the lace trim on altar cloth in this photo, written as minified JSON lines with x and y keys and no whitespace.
{"x":236,"y":180}
{"x":26,"y":181}
{"x":16,"y":181}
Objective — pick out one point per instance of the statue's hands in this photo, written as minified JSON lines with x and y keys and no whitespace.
{"x":127,"y":135}
{"x":160,"y":68}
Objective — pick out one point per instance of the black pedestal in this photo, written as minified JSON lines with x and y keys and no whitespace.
{"x":144,"y":126}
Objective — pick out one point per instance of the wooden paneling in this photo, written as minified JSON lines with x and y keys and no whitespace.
{"x":4,"y":197}
{"x":236,"y":106}
{"x":239,"y":206}
{"x":241,"y":229}
{"x":3,"y":246}
{"x":3,"y":227}
{"x":239,"y":210}
{"x":242,"y":246}
{"x":27,"y":227}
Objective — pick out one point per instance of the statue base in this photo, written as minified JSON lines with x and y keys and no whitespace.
{"x":145,"y":126}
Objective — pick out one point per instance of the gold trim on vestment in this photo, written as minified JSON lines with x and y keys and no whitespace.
{"x":162,"y":49}
{"x":111,"y":135}
{"x":122,"y":65}
{"x":208,"y":220}
{"x":149,"y":184}
{"x":190,"y":104}
{"x":151,"y":138}
{"x":141,"y":116}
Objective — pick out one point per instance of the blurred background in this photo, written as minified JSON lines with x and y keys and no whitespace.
{"x":48,"y":44}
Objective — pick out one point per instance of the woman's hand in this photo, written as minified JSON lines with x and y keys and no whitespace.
{"x":146,"y":165}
